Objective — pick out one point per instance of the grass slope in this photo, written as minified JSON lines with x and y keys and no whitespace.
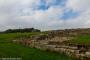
{"x":8,"y":49}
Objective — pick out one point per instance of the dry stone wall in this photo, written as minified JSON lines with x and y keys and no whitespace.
{"x":55,"y":41}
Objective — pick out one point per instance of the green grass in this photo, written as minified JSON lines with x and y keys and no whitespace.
{"x":8,"y":49}
{"x":11,"y":36}
{"x":81,"y":39}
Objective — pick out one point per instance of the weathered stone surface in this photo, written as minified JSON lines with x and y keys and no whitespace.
{"x":56,"y":42}
{"x":87,"y":53}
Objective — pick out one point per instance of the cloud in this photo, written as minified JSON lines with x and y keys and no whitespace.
{"x":78,"y":5}
{"x":44,"y":14}
{"x":69,"y":14}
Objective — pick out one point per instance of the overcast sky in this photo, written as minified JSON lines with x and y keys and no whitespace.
{"x":44,"y":14}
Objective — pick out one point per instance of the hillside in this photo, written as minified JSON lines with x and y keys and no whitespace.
{"x":22,"y":52}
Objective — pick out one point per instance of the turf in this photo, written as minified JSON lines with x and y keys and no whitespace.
{"x":81,"y":39}
{"x":9,"y":49}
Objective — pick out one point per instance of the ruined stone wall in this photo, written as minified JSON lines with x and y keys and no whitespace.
{"x":55,"y":41}
{"x":57,"y":46}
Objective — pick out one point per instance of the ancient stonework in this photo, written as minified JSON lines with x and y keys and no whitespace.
{"x":56,"y":41}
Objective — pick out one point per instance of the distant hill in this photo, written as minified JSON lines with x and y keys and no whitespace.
{"x":22,"y":30}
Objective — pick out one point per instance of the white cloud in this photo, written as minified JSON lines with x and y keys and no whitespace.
{"x":20,"y":13}
{"x":79,"y":5}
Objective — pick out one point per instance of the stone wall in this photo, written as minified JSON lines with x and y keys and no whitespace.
{"x":55,"y":41}
{"x":72,"y":51}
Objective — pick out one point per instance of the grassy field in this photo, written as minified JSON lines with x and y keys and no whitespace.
{"x":81,"y":39}
{"x":9,"y":49}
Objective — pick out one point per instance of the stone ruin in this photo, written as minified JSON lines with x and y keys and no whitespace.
{"x":56,"y":41}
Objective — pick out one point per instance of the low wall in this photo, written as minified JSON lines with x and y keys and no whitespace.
{"x":72,"y":51}
{"x":68,"y":50}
